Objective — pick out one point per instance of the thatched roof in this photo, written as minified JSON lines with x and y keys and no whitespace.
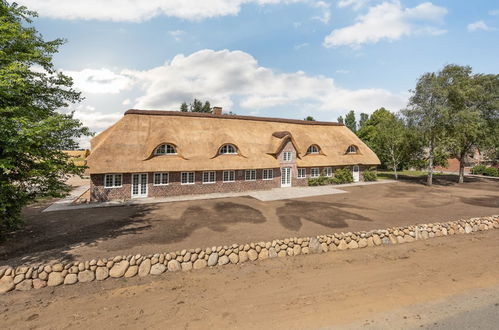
{"x":128,"y":145}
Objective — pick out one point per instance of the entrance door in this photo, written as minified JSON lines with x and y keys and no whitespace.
{"x":139,"y":185}
{"x":286,"y":177}
{"x":356,"y":173}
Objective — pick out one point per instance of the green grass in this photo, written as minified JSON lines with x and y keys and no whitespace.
{"x":384,"y":175}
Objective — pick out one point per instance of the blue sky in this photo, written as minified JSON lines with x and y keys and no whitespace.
{"x":284,"y":58}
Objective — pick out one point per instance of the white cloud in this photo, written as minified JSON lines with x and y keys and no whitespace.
{"x":126,"y":102}
{"x":478,"y":25}
{"x":494,"y":12}
{"x":233,"y":79}
{"x":341,"y":71}
{"x":99,"y":81}
{"x":388,"y":21}
{"x":137,"y":11}
{"x":356,"y":4}
{"x":326,"y":13}
{"x":176,"y":34}
{"x":300,"y":46}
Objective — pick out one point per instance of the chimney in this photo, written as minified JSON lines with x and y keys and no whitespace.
{"x":217,"y":111}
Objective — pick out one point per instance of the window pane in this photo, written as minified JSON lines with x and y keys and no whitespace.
{"x":157,"y":178}
{"x":117,"y":180}
{"x":191,"y":177}
{"x":108,"y":180}
{"x":170,"y":149}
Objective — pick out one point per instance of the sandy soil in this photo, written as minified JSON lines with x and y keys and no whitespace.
{"x":304,"y":292}
{"x":104,"y":232}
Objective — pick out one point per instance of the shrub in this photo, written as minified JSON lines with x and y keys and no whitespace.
{"x":370,"y":175}
{"x":319,"y":181}
{"x":343,"y":175}
{"x":478,"y":169}
{"x":491,"y":171}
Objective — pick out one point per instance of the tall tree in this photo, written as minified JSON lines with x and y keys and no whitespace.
{"x":206,"y":107}
{"x":363,"y":118}
{"x":392,"y":139}
{"x":340,"y":120}
{"x":197,"y":106}
{"x":309,"y":118}
{"x":33,"y":133}
{"x":184,"y":107}
{"x":350,"y":121}
{"x":427,"y":112}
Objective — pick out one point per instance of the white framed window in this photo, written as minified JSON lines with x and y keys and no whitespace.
{"x":228,"y":149}
{"x":314,"y":172}
{"x":268,"y":174}
{"x":160,"y":179}
{"x":328,"y":171}
{"x":209,"y":177}
{"x":313,"y":149}
{"x":302,"y":173}
{"x":287,"y":156}
{"x":187,"y":178}
{"x":229,"y":176}
{"x":352,"y":149}
{"x":165,"y":149}
{"x":250,"y":175}
{"x":113,"y":181}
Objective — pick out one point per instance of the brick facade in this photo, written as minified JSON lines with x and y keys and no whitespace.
{"x":175,"y":188}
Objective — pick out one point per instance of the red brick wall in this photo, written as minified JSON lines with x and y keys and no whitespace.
{"x":175,"y":188}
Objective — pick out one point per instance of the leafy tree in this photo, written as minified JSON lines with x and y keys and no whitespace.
{"x":363,"y":118}
{"x":427,"y":113}
{"x":33,"y":133}
{"x":196,"y":106}
{"x":340,"y":120}
{"x":388,"y":137}
{"x":309,"y":118}
{"x":206,"y":107}
{"x":350,"y":121}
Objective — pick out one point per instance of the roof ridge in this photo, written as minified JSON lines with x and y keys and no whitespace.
{"x":237,"y":117}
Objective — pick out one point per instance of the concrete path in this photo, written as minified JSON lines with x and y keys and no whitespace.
{"x":263,"y":195}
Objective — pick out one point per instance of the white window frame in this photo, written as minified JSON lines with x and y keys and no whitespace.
{"x":268,"y":174}
{"x":313,"y":149}
{"x":301,"y":173}
{"x":209,"y":177}
{"x":314,"y":172}
{"x":251,"y":174}
{"x":231,"y":176}
{"x":162,"y":175}
{"x":188,"y":174}
{"x":287,"y":156}
{"x":354,"y":149}
{"x":166,"y":149}
{"x":224,"y":150}
{"x":328,"y":171}
{"x":113,"y":181}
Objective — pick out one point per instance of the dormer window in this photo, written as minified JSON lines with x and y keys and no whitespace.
{"x":313,"y":149}
{"x":352,"y":149}
{"x":227,"y":149}
{"x":165,"y":149}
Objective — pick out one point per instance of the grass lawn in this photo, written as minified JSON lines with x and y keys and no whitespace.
{"x":385,"y":175}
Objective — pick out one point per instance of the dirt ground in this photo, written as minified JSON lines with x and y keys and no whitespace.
{"x":103,"y":232}
{"x":381,"y":287}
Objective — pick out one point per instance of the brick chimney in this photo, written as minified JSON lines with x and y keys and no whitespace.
{"x":217,"y":111}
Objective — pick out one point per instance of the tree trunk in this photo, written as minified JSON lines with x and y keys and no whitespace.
{"x":429,"y":179}
{"x":461,"y":170}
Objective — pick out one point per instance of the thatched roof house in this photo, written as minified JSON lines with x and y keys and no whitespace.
{"x":146,"y":141}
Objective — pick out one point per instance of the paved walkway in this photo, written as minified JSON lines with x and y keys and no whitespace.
{"x":263,"y":195}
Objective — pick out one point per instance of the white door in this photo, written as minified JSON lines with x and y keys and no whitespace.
{"x":356,"y":173}
{"x":286,"y":177}
{"x":139,"y":185}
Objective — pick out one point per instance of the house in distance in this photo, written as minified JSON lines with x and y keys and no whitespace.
{"x":150,"y":153}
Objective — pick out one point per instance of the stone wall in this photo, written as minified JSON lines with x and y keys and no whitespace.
{"x":38,"y":276}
